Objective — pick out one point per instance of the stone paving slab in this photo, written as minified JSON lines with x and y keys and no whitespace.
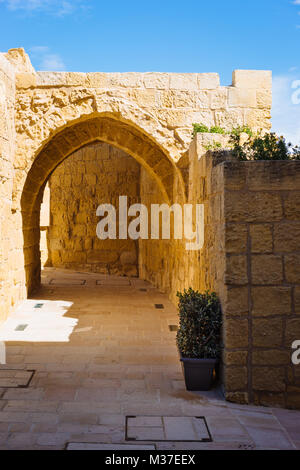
{"x":116,"y":358}
{"x":14,"y":378}
{"x":90,"y":446}
{"x":67,"y":282}
{"x":166,"y":428}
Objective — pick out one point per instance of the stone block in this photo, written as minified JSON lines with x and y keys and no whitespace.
{"x":292,"y":268}
{"x":252,"y":79}
{"x":202,"y":99}
{"x":274,"y":399}
{"x":287,"y":237}
{"x":292,"y":205}
{"x":273,"y":175}
{"x":234,"y":175}
{"x":159,"y":81}
{"x":264,"y":99}
{"x":236,"y":236}
{"x":261,"y":238}
{"x":236,"y":333}
{"x":208,"y":81}
{"x":26,"y":80}
{"x":267,"y":269}
{"x":219,"y":98}
{"x":258,"y":119}
{"x":183,"y":81}
{"x":269,"y":378}
{"x":267,"y":300}
{"x":267,"y":333}
{"x":252,"y":207}
{"x":278,"y":357}
{"x":236,"y":302}
{"x":242,"y":97}
{"x":235,"y":358}
{"x":292,"y":332}
{"x":236,"y":378}
{"x":236,"y":270}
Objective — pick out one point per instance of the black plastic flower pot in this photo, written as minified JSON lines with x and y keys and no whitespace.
{"x":198,"y":373}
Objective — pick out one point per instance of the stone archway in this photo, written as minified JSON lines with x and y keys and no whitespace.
{"x":64,"y":143}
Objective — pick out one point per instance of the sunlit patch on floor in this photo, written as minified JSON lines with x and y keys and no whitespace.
{"x":31,"y":324}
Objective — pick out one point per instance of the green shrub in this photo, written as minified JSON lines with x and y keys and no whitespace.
{"x":261,"y":147}
{"x":200,"y":317}
{"x":199,"y":128}
{"x":217,"y":130}
{"x":214,"y":146}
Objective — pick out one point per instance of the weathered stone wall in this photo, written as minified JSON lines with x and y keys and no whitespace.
{"x":148,"y":115}
{"x":251,"y":251}
{"x":11,"y":259}
{"x":251,"y":259}
{"x":167,"y":263}
{"x":262,"y":278}
{"x":97,"y":174}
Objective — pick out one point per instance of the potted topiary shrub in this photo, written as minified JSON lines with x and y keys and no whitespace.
{"x":199,"y":337}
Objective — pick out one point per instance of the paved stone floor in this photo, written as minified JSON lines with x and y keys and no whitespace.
{"x":101,"y":351}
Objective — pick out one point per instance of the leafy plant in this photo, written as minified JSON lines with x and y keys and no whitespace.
{"x":202,"y":128}
{"x":199,"y":128}
{"x":214,"y":146}
{"x":261,"y":147}
{"x":199,"y":334}
{"x":217,"y":130}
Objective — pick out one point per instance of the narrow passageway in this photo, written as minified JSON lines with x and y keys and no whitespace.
{"x":116,"y":357}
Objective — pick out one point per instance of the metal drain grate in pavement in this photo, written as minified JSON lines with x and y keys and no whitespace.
{"x":159,"y":306}
{"x":167,"y":429}
{"x":67,"y":282}
{"x":113,"y":282}
{"x":15,"y":378}
{"x":112,"y":447}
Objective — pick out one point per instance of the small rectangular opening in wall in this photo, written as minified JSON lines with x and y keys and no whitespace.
{"x":15,"y":378}
{"x":167,"y":429}
{"x":143,"y":290}
{"x":21,"y":327}
{"x":173,"y":327}
{"x":38,"y":305}
{"x":159,"y":306}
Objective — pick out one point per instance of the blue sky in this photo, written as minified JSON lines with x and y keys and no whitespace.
{"x":171,"y":36}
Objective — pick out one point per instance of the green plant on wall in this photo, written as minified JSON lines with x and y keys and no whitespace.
{"x":214,"y":146}
{"x":199,"y":333}
{"x":202,"y":128}
{"x":261,"y":147}
{"x":217,"y":130}
{"x":199,"y":128}
{"x":247,"y":145}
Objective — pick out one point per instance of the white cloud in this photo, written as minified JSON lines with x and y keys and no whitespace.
{"x":56,"y":7}
{"x":46,"y":60}
{"x":52,"y":62}
{"x":286,"y":109}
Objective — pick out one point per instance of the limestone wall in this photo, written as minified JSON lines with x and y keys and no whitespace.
{"x":167,"y":263}
{"x":11,"y":259}
{"x":251,"y":250}
{"x":97,"y":174}
{"x":251,"y":259}
{"x":262,"y":278}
